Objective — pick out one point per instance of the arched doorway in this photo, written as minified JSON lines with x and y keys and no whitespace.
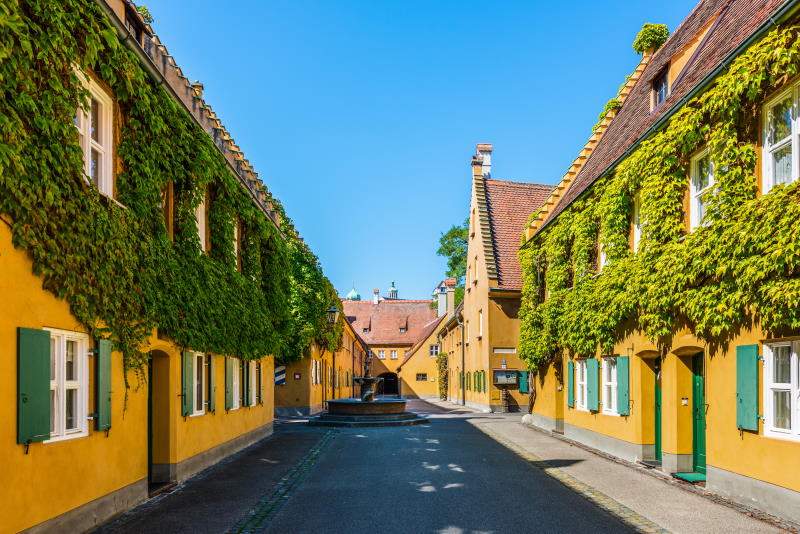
{"x":161,"y":471}
{"x":389,"y":384}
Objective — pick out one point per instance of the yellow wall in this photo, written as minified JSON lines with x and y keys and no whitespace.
{"x":421,"y":362}
{"x":387,"y":365}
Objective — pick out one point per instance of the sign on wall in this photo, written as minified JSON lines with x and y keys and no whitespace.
{"x":280,"y":375}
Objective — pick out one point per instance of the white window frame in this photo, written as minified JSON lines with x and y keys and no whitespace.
{"x":602,"y":259}
{"x":793,"y":387}
{"x":609,"y":379}
{"x":392,"y":354}
{"x":424,"y":377}
{"x":200,"y":217}
{"x":104,"y":145}
{"x":793,"y":141}
{"x":581,"y":391}
{"x":253,"y":382}
{"x":381,"y":354}
{"x":235,"y":384}
{"x":637,"y":222}
{"x":59,"y":384}
{"x":480,"y":324}
{"x":199,"y":383}
{"x":695,"y":194}
{"x":236,"y":243}
{"x":433,"y":350}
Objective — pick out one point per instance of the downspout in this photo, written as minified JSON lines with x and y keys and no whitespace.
{"x":780,"y":15}
{"x":463,"y":364}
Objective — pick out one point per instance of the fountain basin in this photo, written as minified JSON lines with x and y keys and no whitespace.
{"x":359,"y":407}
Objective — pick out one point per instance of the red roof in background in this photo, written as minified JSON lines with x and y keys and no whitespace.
{"x":510,"y":205}
{"x":385,"y":319}
{"x":429,"y":329}
{"x":735,"y":24}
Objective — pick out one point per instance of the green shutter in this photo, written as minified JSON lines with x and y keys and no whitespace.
{"x":229,"y":383}
{"x":260,"y":382}
{"x":623,"y":385}
{"x":212,"y":384}
{"x":33,"y":385}
{"x":523,"y":381}
{"x":571,"y":384}
{"x":187,"y":375}
{"x":747,"y":387}
{"x":245,"y":382}
{"x":103,"y":387}
{"x":592,"y":386}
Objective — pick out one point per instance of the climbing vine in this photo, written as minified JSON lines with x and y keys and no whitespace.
{"x":118,"y":267}
{"x":441,"y":366}
{"x":741,"y":268}
{"x":651,"y":36}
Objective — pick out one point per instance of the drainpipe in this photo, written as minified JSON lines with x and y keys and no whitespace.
{"x":463,"y":364}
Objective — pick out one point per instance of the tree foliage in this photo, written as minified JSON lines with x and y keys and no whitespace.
{"x":651,"y":36}
{"x":453,"y":246}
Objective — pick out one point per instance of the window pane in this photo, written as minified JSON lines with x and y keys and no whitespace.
{"x":199,"y":384}
{"x":53,"y":411}
{"x":95,"y":125}
{"x":94,"y":168}
{"x":781,"y":369}
{"x":782,"y":414}
{"x":704,"y":173}
{"x":780,"y":121}
{"x":71,"y":370}
{"x":52,"y":358}
{"x":72,"y":409}
{"x":782,"y":165}
{"x":700,"y":207}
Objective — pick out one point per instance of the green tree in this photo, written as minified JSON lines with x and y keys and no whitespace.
{"x":453,"y":246}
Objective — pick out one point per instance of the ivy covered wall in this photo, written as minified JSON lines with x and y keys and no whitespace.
{"x":741,"y":269}
{"x":117,"y":267}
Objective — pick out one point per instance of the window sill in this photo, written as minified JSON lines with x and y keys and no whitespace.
{"x":610,"y":413}
{"x":197,"y":414}
{"x":67,"y":437}
{"x":784,"y":436}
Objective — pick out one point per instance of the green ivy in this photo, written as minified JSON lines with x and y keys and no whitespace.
{"x":441,"y":367}
{"x":650,"y":36}
{"x":741,"y":269}
{"x":119,"y":270}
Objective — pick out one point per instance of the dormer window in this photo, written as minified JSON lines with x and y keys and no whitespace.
{"x":365,"y":331}
{"x":660,"y":89}
{"x":402,"y":330}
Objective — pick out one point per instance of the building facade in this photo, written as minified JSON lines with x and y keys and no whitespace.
{"x":658,"y":314}
{"x":143,"y":270}
{"x":481,"y":340}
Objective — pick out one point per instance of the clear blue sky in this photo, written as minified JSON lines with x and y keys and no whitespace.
{"x":361,"y":116}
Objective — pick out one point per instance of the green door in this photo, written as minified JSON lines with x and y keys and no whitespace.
{"x":657,"y":454}
{"x":699,"y":410}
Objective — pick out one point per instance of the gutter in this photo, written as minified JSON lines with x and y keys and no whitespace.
{"x":784,"y":12}
{"x":159,"y":80}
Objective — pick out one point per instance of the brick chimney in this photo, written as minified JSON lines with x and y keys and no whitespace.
{"x":450,"y":284}
{"x":483,"y":153}
{"x":376,"y":295}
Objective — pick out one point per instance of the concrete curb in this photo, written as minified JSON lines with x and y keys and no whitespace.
{"x":755,"y":513}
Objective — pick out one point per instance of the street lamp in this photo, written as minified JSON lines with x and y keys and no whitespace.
{"x":333,"y":315}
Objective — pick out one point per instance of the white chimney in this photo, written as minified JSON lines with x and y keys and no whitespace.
{"x":440,"y":294}
{"x":450,"y":284}
{"x":376,"y":295}
{"x":484,"y":153}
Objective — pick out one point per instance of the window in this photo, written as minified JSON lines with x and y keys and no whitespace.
{"x":393,"y":354}
{"x":602,"y":259}
{"x":780,"y":141}
{"x":469,"y":381}
{"x":237,"y":386}
{"x":480,"y":324}
{"x":660,"y":89}
{"x":433,"y":350}
{"x":199,"y":385}
{"x":236,"y":244}
{"x":610,"y":386}
{"x":200,"y":216}
{"x":370,"y":354}
{"x":781,"y":390}
{"x":580,"y":384}
{"x":69,"y":381}
{"x":381,"y":355}
{"x":167,"y":206}
{"x":365,"y":331}
{"x":405,"y":354}
{"x":637,"y":223}
{"x":402,"y":330}
{"x":701,"y":186}
{"x":95,"y":134}
{"x":422,"y":377}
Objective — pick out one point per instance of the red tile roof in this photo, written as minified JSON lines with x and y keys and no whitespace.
{"x":385,"y":319}
{"x":736,"y":23}
{"x":429,"y":329}
{"x":509,"y":205}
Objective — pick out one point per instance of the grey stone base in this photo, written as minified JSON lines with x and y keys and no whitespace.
{"x":543,"y":421}
{"x":617,"y":447}
{"x":297,"y":411}
{"x":771,"y":498}
{"x":92,"y":514}
{"x":433,"y":397}
{"x":512,"y":408}
{"x":676,"y":463}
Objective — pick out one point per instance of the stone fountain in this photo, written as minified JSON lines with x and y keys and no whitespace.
{"x":367,"y":410}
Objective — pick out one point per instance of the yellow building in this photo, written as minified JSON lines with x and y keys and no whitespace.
{"x":487,"y":318}
{"x":658,"y":313}
{"x":390,"y":327}
{"x":137,"y":273}
{"x":303,"y":387}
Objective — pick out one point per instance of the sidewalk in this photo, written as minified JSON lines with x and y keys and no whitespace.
{"x":669,"y":506}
